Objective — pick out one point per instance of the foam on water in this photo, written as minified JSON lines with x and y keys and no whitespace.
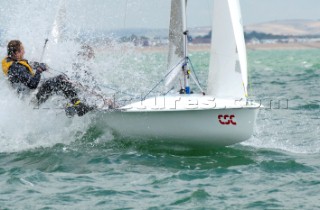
{"x":290,"y":76}
{"x":116,"y":65}
{"x":22,"y":126}
{"x":49,"y":161}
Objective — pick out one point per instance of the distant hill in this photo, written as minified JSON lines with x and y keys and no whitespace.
{"x":287,"y":27}
{"x":283,"y":28}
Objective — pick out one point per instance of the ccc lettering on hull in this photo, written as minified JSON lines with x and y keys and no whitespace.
{"x":227,"y":119}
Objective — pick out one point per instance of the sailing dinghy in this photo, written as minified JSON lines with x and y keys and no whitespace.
{"x":219,"y":116}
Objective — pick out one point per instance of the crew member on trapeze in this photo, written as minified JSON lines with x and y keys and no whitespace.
{"x":24,"y":76}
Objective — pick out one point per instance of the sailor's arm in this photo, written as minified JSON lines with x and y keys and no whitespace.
{"x":32,"y":81}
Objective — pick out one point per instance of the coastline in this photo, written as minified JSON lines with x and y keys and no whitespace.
{"x":266,"y":46}
{"x":284,"y":46}
{"x":206,"y":47}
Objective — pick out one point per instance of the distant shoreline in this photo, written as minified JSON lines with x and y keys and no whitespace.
{"x":206,"y":47}
{"x":285,"y":46}
{"x":269,"y":46}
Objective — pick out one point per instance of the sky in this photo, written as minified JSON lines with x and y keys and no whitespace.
{"x":199,"y":11}
{"x":111,"y":14}
{"x":257,"y":11}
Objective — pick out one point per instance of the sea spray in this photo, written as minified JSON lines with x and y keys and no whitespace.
{"x":129,"y":72}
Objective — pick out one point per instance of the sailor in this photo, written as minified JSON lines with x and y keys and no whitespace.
{"x":25,"y":76}
{"x":82,"y":71}
{"x":83,"y":67}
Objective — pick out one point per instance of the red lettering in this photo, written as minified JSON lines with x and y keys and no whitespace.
{"x":219,"y":117}
{"x":231,"y":120}
{"x":227,"y":119}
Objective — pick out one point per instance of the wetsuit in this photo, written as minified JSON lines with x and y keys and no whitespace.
{"x":20,"y":72}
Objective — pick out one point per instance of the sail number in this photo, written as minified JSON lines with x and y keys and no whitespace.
{"x":227,"y":119}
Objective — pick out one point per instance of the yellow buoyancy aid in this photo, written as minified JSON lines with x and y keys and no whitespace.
{"x":7,"y":62}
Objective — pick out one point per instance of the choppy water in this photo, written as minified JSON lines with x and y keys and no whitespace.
{"x":49,"y":161}
{"x":52,"y":162}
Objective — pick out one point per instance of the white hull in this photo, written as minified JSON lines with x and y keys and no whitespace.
{"x":197,"y":119}
{"x":196,"y":124}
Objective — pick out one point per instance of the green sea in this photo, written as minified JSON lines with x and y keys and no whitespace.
{"x":48,"y":161}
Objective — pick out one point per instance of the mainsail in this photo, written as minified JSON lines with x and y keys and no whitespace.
{"x":177,"y":49}
{"x":228,"y":62}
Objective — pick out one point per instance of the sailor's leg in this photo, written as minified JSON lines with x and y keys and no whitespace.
{"x":66,"y":87}
{"x":54,"y":85}
{"x":69,"y":91}
{"x":62,"y":84}
{"x":45,"y":90}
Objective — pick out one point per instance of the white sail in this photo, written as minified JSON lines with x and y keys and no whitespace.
{"x":240,"y":42}
{"x":59,"y":26}
{"x":216,"y":119}
{"x":176,"y":40}
{"x":228,"y":62}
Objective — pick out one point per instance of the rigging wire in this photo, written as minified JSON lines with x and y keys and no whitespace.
{"x":165,"y":76}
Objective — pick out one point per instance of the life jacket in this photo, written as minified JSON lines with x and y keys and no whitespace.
{"x":7,"y":63}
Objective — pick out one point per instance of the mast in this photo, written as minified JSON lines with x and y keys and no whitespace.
{"x":185,"y":67}
{"x":178,"y":60}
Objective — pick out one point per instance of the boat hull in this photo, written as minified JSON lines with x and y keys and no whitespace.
{"x":218,"y":127}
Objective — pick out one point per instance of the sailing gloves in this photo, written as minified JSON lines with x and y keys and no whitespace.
{"x":39,"y":66}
